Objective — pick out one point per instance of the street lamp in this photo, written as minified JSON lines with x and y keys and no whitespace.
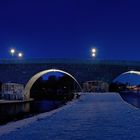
{"x":20,"y":55}
{"x":12,"y":51}
{"x":93,"y":52}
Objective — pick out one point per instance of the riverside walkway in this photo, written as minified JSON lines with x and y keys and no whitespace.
{"x":97,"y":116}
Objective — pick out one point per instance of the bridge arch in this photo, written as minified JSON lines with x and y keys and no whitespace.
{"x":33,"y":79}
{"x":127,"y":72}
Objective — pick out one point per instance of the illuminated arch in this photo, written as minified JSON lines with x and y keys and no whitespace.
{"x":132,"y":72}
{"x":128,"y":72}
{"x":30,"y":83}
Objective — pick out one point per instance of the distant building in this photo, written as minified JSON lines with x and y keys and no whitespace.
{"x":95,"y":86}
{"x":12,"y":91}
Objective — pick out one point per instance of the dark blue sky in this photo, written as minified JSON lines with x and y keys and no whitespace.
{"x":69,"y":28}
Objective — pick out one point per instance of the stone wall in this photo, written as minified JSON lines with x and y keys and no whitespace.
{"x":82,"y":71}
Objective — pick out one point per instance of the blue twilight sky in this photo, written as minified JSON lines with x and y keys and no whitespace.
{"x":69,"y":28}
{"x":57,"y":74}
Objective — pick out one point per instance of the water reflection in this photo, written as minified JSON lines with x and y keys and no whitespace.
{"x":49,"y":92}
{"x":128,"y":85}
{"x":133,"y":99}
{"x":16,"y":111}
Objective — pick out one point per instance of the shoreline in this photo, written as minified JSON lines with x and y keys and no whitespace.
{"x":13,"y":126}
{"x":15,"y":101}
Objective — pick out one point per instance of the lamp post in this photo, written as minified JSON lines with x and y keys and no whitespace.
{"x":12,"y":51}
{"x":93,"y":52}
{"x":16,"y":53}
{"x":20,"y":55}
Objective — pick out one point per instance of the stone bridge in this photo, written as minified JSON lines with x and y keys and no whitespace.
{"x":20,"y":71}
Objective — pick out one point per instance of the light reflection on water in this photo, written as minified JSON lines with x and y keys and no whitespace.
{"x":17,"y":111}
{"x":128,"y":85}
{"x":131,"y":98}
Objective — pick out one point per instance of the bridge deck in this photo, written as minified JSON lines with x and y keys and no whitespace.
{"x":94,"y":116}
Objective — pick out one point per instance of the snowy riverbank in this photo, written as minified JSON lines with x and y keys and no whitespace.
{"x":94,"y":116}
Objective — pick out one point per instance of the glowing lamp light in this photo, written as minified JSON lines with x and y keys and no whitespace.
{"x":93,"y":54}
{"x":12,"y":51}
{"x":93,"y":50}
{"x":20,"y":55}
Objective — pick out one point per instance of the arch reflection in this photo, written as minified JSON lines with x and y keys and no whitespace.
{"x":128,"y":86}
{"x":127,"y":82}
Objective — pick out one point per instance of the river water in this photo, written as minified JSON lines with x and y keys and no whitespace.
{"x":131,"y":98}
{"x":17,"y":111}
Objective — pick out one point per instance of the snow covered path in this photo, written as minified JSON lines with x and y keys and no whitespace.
{"x":98,"y":116}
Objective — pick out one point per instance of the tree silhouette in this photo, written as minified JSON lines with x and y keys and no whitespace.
{"x":57,"y":88}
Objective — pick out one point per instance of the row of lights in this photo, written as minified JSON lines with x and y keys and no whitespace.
{"x":13,"y":52}
{"x":20,"y":54}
